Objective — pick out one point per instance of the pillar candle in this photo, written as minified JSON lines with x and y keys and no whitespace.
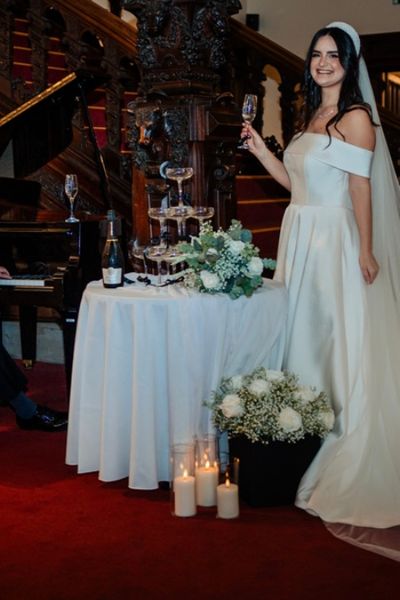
{"x":228,"y":500}
{"x":206,"y":485}
{"x":184,"y":496}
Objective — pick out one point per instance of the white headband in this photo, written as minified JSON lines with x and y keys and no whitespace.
{"x":350,"y":31}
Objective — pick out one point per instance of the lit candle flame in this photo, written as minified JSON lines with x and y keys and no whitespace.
{"x":207,"y":464}
{"x":227,"y":482}
{"x":185,"y":474}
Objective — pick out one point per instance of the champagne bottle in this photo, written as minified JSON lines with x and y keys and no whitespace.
{"x":112,"y":262}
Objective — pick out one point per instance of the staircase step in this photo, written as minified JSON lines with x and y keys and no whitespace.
{"x":261,"y":203}
{"x":54,"y":75}
{"x":267,"y":241}
{"x":259,"y":186}
{"x":56,"y":59}
{"x":261,"y":213}
{"x":22,"y":54}
{"x":55,"y":44}
{"x":22,"y":71}
{"x":21,"y":25}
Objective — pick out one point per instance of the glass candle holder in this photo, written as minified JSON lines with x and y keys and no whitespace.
{"x":206,"y":470}
{"x":183,"y":491}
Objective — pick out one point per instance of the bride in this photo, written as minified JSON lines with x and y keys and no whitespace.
{"x":339,"y":256}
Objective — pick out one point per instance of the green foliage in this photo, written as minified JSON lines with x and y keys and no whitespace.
{"x":224,"y":261}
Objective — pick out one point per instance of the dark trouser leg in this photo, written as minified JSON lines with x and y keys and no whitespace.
{"x":12,"y":380}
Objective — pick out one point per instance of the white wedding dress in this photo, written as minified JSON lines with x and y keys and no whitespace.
{"x":335,"y":341}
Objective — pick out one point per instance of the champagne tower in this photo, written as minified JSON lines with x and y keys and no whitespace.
{"x":185,"y":113}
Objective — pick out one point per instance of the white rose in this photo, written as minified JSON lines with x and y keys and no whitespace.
{"x":231,"y":406}
{"x":259,"y":387}
{"x":255,"y":266}
{"x":236,"y":382}
{"x":289,"y":419}
{"x":275,"y":375}
{"x":328,"y":419}
{"x":211,"y":281}
{"x":236,"y":246}
{"x":305,"y":394}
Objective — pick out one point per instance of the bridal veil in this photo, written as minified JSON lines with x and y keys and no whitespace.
{"x":383,"y":309}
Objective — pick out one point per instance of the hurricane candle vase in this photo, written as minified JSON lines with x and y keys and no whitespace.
{"x":206,"y":470}
{"x":183,"y":494}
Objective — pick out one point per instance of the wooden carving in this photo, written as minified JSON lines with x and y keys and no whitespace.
{"x":183,"y":53}
{"x":182,"y":44}
{"x":157,"y":132}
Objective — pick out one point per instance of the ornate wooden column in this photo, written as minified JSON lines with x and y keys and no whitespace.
{"x":182,"y":116}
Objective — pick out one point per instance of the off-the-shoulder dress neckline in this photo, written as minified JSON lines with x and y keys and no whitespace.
{"x":333,"y":137}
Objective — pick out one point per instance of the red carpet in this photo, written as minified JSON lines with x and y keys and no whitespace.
{"x":70,"y":537}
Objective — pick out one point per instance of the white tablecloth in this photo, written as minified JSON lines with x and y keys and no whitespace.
{"x":145,"y":360}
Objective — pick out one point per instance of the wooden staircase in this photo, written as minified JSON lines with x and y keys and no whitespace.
{"x":261,"y":203}
{"x":56,"y":70}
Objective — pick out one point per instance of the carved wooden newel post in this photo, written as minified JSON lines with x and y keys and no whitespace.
{"x":182,"y":115}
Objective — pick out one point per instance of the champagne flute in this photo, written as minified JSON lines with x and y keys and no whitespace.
{"x":71,"y":191}
{"x":249,"y":111}
{"x":179,"y":174}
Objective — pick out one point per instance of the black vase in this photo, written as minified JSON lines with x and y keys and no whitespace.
{"x":269,"y":474}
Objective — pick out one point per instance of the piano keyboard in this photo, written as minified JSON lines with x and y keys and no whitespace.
{"x":25,"y":280}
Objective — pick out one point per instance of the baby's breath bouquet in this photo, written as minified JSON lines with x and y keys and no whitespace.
{"x":270,"y":405}
{"x":224,"y":261}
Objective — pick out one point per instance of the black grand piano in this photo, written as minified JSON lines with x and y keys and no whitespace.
{"x":52,"y":260}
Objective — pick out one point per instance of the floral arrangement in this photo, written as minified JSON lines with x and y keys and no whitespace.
{"x":224,"y":261}
{"x":270,"y":405}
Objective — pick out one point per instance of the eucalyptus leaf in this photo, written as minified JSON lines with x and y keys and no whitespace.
{"x":246,"y":236}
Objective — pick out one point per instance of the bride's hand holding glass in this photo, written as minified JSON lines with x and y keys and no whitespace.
{"x":249,"y":112}
{"x":254,"y":142}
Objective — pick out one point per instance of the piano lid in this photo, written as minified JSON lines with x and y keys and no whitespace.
{"x":41,"y":128}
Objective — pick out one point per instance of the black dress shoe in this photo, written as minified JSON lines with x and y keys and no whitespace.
{"x":45,"y":419}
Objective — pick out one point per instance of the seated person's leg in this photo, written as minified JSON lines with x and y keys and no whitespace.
{"x":29,"y":415}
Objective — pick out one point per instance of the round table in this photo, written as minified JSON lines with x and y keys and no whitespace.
{"x":146,"y":358}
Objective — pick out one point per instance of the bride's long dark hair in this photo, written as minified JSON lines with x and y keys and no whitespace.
{"x":350,"y":95}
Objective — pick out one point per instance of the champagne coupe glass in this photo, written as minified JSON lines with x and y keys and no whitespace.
{"x":136,"y":252}
{"x":172,"y":258}
{"x":202,"y":213}
{"x":180,"y":214}
{"x":156,"y":254}
{"x":249,"y":111}
{"x":179,"y":174}
{"x":71,"y":191}
{"x":160,"y":214}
